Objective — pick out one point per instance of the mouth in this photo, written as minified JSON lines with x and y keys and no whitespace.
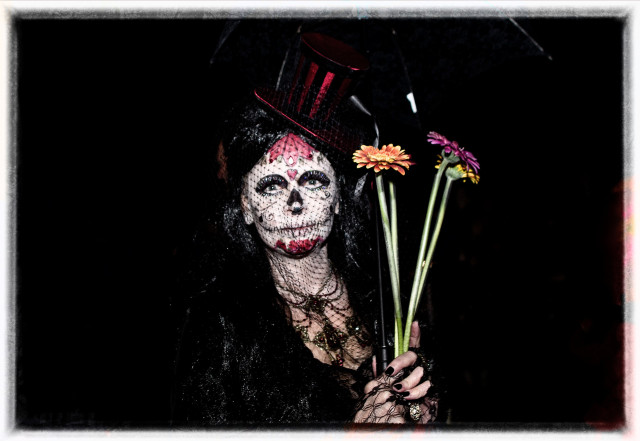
{"x":296,"y":231}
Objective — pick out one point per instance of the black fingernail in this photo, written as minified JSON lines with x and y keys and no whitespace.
{"x":405,"y":393}
{"x":397,"y":386}
{"x":389,"y":371}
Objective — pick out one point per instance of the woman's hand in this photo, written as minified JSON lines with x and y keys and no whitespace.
{"x":385,"y":399}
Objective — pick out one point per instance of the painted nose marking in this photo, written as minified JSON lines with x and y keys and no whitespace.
{"x":294,"y":197}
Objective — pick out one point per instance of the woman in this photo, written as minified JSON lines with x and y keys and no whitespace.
{"x":283,"y":333}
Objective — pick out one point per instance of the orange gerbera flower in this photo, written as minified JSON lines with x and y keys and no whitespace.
{"x":384,"y":158}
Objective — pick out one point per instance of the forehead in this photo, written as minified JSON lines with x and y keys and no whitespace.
{"x":291,"y":152}
{"x":290,"y":147}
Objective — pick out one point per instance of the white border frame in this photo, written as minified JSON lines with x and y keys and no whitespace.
{"x":344,"y":9}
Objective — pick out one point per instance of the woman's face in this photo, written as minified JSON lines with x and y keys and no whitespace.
{"x":291,"y":195}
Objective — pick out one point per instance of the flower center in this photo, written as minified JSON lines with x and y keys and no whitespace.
{"x":381,"y":157}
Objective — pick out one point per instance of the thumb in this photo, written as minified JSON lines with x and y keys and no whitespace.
{"x":414,"y":338}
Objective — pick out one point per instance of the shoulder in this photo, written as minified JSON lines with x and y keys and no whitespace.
{"x":231,"y":312}
{"x":206,"y":361}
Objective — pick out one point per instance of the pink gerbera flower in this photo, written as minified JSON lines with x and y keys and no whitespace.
{"x":452,"y":147}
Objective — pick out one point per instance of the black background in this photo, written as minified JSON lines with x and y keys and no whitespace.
{"x":116,"y":122}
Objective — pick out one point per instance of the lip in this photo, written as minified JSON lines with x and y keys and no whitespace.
{"x":295,"y":229}
{"x":290,"y":229}
{"x":298,"y":228}
{"x":298,"y":232}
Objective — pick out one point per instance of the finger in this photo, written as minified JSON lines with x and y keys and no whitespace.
{"x":370,"y":386}
{"x":414,"y":338}
{"x":399,"y":363}
{"x":380,"y":398}
{"x":383,"y":382}
{"x":379,"y":407}
{"x":383,"y":398}
{"x":386,"y":409}
{"x":419,"y":391}
{"x":373,"y":366}
{"x":411,"y":381}
{"x":388,"y":412}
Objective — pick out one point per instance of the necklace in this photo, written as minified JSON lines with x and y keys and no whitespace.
{"x":333,"y":341}
{"x":318,"y":309}
{"x":328,"y":309}
{"x":312,"y":301}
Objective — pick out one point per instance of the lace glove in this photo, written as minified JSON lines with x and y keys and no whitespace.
{"x":398,"y":396}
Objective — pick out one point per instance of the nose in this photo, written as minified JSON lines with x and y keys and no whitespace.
{"x":295,"y":201}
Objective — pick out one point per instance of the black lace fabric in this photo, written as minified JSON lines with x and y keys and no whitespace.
{"x":245,"y":364}
{"x":354,"y":381}
{"x":326,"y":322}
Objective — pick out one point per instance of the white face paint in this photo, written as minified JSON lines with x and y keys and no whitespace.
{"x":291,"y":197}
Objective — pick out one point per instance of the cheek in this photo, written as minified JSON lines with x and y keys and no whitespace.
{"x":318,"y":203}
{"x":327,"y":199}
{"x":266,"y":208}
{"x":327,"y":196}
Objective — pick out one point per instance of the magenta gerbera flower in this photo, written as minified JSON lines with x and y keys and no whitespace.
{"x":470,"y":160}
{"x":448,"y":146}
{"x":452,"y":147}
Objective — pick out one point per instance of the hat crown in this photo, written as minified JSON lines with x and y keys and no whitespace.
{"x":326,"y":73}
{"x":334,"y":52}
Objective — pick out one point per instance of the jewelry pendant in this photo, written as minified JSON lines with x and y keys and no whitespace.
{"x":315,"y":305}
{"x":355,"y":328}
{"x":334,"y":338}
{"x":320,"y":341}
{"x":338,"y":361}
{"x":303,"y":333}
{"x":353,"y":325}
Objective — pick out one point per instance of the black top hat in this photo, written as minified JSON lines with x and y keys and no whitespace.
{"x":326,"y":74}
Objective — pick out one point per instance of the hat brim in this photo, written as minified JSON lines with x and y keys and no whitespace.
{"x":331,"y":132}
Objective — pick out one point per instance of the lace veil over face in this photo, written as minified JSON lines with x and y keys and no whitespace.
{"x":291,"y":195}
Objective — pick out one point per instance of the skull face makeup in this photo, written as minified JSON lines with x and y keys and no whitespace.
{"x":291,"y":197}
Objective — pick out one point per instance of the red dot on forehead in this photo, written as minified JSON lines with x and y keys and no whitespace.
{"x":290,"y":147}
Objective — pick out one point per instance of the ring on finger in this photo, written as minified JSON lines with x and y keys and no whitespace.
{"x":414,"y":411}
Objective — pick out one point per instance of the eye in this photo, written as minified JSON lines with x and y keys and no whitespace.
{"x":314,"y":180}
{"x":271,"y":185}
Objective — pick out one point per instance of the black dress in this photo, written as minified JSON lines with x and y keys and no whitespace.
{"x":241,"y":363}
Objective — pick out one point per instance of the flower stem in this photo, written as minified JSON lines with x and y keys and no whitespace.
{"x":394,"y":216}
{"x":436,"y":233}
{"x":432,"y":246}
{"x":391,"y":258}
{"x":394,"y":226}
{"x":396,"y":261}
{"x":421,"y":263}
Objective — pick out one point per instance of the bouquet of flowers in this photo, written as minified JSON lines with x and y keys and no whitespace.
{"x":454,"y":163}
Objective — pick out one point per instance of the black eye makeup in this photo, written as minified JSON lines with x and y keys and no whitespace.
{"x":271,"y":185}
{"x":314,"y":180}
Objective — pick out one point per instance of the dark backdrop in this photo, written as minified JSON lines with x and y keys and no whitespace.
{"x":116,"y":121}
